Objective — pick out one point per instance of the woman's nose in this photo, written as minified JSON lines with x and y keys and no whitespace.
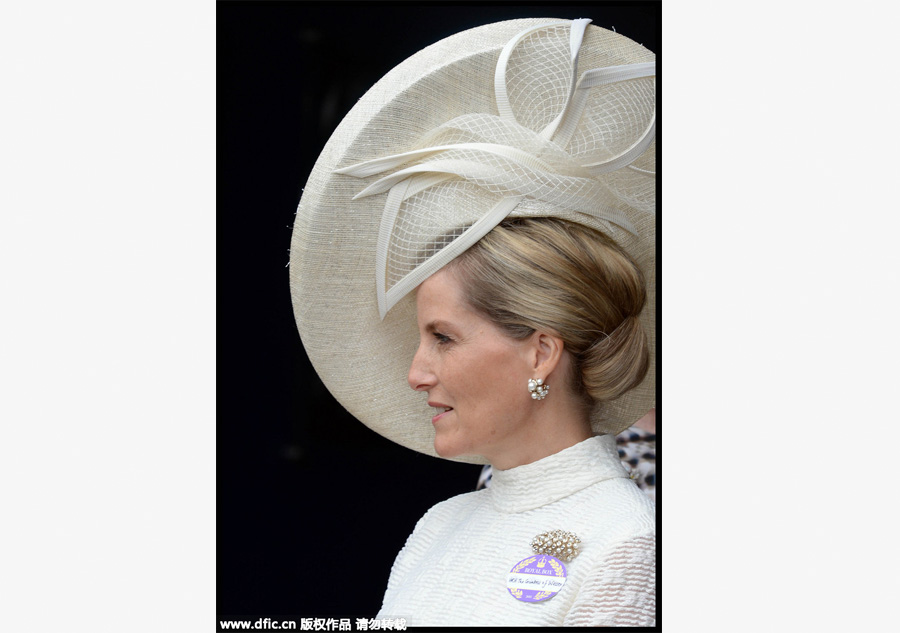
{"x":420,"y":377}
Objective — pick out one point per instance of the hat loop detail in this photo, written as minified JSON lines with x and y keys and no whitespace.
{"x":506,"y":158}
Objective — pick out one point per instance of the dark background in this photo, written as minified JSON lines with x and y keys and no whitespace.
{"x":304,"y":491}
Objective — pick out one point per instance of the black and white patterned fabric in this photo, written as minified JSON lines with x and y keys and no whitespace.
{"x":637,"y":450}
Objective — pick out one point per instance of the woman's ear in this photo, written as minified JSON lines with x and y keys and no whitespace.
{"x":547,"y":353}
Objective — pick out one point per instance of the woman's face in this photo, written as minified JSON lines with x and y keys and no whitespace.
{"x":475,"y":376}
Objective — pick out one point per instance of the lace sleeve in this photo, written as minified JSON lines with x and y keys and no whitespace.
{"x":621,"y":591}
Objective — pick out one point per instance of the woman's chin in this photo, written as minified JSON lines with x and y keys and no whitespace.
{"x":446,"y":449}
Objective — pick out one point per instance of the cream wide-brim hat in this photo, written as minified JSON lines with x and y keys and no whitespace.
{"x":523,"y":118}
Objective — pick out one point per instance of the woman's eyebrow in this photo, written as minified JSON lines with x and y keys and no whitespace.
{"x":437,"y":324}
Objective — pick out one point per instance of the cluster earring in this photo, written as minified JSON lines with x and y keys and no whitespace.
{"x":538,"y":389}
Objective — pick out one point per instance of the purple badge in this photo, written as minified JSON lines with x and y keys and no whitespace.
{"x":536,"y":578}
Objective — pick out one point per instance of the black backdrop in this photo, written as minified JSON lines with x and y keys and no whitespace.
{"x":312,"y":507}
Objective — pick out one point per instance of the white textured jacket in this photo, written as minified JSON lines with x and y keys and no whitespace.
{"x":453,"y":569}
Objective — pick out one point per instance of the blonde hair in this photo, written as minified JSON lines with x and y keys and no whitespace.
{"x":559,"y":277}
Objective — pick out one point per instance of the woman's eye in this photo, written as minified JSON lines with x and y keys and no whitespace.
{"x":442,"y":339}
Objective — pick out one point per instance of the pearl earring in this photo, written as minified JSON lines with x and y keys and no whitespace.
{"x":538,"y":389}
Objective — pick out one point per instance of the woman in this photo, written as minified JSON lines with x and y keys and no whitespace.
{"x":509,"y":183}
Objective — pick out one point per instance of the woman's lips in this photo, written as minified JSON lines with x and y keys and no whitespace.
{"x":444,"y":411}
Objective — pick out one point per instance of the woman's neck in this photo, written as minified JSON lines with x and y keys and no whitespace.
{"x":553,"y":428}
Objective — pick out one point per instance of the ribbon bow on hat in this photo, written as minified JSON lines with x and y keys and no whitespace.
{"x":517,"y":155}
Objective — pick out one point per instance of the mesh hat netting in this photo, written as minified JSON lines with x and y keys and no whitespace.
{"x":525,"y":118}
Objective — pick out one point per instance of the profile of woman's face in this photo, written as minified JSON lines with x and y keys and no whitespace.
{"x":475,"y":376}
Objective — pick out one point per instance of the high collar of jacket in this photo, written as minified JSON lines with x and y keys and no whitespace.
{"x":556,"y":476}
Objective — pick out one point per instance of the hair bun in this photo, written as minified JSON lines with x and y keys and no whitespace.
{"x":616,"y":363}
